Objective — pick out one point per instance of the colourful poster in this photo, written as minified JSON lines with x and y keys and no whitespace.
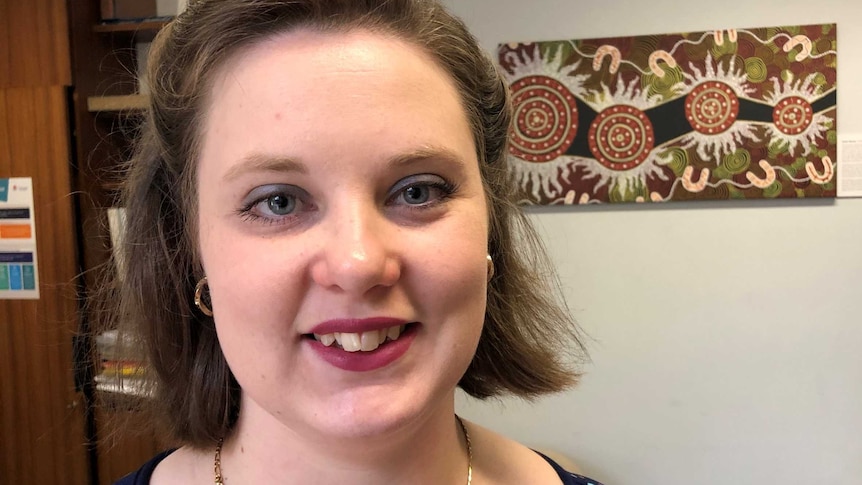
{"x":19,"y":275}
{"x":724,"y":114}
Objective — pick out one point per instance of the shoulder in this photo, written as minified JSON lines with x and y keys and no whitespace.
{"x":142,"y":475}
{"x":170,"y":467}
{"x":185,"y":465}
{"x":568,"y":477}
{"x":500,"y":460}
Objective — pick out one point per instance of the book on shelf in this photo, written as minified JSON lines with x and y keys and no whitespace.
{"x":122,"y":366}
{"x":119,"y":385}
{"x":116,"y":226}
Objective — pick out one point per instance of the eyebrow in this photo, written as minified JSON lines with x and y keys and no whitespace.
{"x":425,"y":153}
{"x":257,"y":162}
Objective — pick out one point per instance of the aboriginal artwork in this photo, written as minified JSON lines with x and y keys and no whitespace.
{"x":725,"y":114}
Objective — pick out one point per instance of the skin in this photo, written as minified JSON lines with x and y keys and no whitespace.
{"x":376,"y":162}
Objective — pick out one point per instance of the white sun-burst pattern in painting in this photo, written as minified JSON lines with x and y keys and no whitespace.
{"x":712,"y":107}
{"x":545,"y":120}
{"x":794,"y":120}
{"x":621,"y":137}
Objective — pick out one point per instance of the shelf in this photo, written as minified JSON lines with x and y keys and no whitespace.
{"x":120,"y":398}
{"x":128,"y":386}
{"x":142,"y":25}
{"x":130,"y":102}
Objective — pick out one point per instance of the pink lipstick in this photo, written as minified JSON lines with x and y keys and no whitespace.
{"x":361,"y":345}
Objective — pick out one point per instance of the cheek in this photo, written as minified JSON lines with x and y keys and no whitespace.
{"x":248,"y":284}
{"x":453,"y":281}
{"x":458,"y":307}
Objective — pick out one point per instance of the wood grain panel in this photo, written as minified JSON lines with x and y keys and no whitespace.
{"x":34,"y":43}
{"x":5,"y":44}
{"x":41,"y":416}
{"x":122,"y":450}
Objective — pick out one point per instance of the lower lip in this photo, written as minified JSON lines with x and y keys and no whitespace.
{"x":361,"y":361}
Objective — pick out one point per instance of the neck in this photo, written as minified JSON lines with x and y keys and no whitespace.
{"x":429,"y":449}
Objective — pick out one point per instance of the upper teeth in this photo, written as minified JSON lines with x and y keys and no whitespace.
{"x":365,"y":341}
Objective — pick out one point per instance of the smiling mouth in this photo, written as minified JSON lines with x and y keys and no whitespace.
{"x":363,"y":341}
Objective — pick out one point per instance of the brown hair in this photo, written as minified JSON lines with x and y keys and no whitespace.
{"x":529,"y":343}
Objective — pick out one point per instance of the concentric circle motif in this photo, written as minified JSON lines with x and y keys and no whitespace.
{"x":621,"y":137}
{"x":711,"y":107}
{"x":546,"y":119}
{"x":792,"y":115}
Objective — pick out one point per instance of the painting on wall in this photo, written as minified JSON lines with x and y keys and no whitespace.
{"x":725,"y":114}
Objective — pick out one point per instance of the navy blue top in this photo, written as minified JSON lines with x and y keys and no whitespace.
{"x":142,"y":476}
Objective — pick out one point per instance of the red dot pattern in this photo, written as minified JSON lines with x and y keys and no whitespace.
{"x":621,"y":137}
{"x":792,"y":115}
{"x":711,"y":107}
{"x":545,"y":119}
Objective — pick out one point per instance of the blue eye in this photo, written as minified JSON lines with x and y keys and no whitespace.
{"x":421,"y":191}
{"x":281,"y":204}
{"x":276,"y":204}
{"x":417,"y":194}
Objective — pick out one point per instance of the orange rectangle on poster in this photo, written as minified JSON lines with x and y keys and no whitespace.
{"x":15,"y":231}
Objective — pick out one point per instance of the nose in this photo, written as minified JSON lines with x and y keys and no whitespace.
{"x":358,"y":252}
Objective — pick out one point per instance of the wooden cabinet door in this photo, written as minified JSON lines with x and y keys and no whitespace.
{"x":41,"y":414}
{"x":42,"y":430}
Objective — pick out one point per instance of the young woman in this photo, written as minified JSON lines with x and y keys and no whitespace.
{"x":321,"y":246}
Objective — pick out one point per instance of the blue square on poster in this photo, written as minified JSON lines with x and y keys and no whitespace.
{"x":15,"y":282}
{"x":4,"y":190}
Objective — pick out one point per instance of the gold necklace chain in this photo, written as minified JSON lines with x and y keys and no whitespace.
{"x":220,"y":481}
{"x":469,"y":450}
{"x":217,"y":463}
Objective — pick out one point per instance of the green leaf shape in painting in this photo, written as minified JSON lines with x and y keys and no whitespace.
{"x":634,"y":188}
{"x":737,"y":162}
{"x":734,"y":193}
{"x":550,"y":50}
{"x":678,"y":160}
{"x":726,"y":49}
{"x":614,"y":194}
{"x":773,"y":190}
{"x":755,"y":69}
{"x":662,"y":85}
{"x":798,"y":164}
{"x":819,"y":79}
{"x":639,"y":189}
{"x":721,"y":173}
{"x":777,"y":147}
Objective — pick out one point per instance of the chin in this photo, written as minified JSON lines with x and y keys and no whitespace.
{"x":378,"y":411}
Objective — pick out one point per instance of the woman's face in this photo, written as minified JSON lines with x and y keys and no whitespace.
{"x":340,"y":194}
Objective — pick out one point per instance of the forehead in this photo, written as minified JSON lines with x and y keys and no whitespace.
{"x":297,"y":89}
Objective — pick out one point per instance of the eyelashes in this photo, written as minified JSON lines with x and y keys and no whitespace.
{"x":412,"y":196}
{"x":422,"y":191}
{"x":273,"y":204}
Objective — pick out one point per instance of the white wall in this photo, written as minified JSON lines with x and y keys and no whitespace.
{"x":726,"y":335}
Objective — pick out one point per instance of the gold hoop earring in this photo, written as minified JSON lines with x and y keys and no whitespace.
{"x":199,"y":302}
{"x":490,"y":267}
